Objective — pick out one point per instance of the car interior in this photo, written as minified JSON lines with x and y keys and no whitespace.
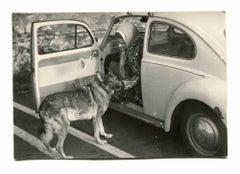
{"x":171,"y":41}
{"x":113,"y":57}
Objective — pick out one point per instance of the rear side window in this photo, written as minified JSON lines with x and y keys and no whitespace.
{"x":171,"y":41}
{"x":62,"y":37}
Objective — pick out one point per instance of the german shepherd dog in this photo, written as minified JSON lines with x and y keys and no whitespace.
{"x":85,"y":103}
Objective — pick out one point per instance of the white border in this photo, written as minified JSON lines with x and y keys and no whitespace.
{"x":107,"y":166}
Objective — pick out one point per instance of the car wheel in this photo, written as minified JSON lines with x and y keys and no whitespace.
{"x":203,"y":133}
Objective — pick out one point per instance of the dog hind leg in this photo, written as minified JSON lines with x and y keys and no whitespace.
{"x":47,"y":136}
{"x":62,"y":132}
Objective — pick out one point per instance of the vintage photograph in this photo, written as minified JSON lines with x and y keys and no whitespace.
{"x":123,"y":85}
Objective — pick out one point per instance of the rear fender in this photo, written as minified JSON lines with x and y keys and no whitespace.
{"x":209,"y":91}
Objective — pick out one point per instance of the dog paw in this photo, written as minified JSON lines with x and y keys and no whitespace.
{"x":68,"y":157}
{"x":52,"y":149}
{"x":102,"y":141}
{"x":108,"y":135}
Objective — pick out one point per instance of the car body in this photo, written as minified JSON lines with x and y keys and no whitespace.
{"x":183,"y":71}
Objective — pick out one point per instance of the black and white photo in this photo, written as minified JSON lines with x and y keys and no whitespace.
{"x":119,"y":85}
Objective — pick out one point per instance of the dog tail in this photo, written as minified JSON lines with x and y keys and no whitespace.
{"x":41,"y":133}
{"x":41,"y":130}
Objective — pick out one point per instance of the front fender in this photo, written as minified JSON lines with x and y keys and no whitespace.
{"x":211,"y":91}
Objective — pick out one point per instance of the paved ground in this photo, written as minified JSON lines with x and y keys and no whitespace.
{"x":132,"y":138}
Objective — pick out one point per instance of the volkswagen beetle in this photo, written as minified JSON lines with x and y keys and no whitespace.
{"x":182,"y":75}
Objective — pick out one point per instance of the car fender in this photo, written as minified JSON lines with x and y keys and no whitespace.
{"x":208,"y":90}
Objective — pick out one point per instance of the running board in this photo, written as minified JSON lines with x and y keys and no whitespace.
{"x":137,"y":112}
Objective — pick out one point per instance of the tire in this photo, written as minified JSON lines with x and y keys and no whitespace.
{"x":204,"y":133}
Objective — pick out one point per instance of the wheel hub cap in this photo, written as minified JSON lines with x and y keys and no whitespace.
{"x":205,"y":134}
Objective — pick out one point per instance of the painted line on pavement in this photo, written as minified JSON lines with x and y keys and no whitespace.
{"x":34,"y":142}
{"x":81,"y":135}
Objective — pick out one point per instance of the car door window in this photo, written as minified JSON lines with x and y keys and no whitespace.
{"x":84,"y":38}
{"x":62,"y":37}
{"x":171,"y":41}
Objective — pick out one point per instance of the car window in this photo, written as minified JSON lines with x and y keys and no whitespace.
{"x":169,"y":40}
{"x":61,"y":37}
{"x":84,"y":38}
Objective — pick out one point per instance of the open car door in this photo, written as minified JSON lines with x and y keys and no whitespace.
{"x":62,"y":52}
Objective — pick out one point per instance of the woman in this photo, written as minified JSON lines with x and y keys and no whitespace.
{"x":130,"y":45}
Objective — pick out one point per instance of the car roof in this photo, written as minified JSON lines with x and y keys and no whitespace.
{"x":210,"y":26}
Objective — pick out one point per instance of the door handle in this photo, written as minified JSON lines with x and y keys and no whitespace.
{"x":82,"y":62}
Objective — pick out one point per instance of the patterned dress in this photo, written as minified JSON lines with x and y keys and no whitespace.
{"x":132,"y":81}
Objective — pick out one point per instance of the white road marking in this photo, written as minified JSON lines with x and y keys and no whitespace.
{"x":81,"y":135}
{"x":34,"y":142}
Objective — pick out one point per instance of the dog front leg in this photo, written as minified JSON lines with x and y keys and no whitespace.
{"x":97,"y":131}
{"x":102,"y":131}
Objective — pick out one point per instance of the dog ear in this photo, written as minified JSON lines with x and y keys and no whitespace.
{"x":99,"y":77}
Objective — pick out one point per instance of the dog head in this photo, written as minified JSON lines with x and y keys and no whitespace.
{"x":110,"y":80}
